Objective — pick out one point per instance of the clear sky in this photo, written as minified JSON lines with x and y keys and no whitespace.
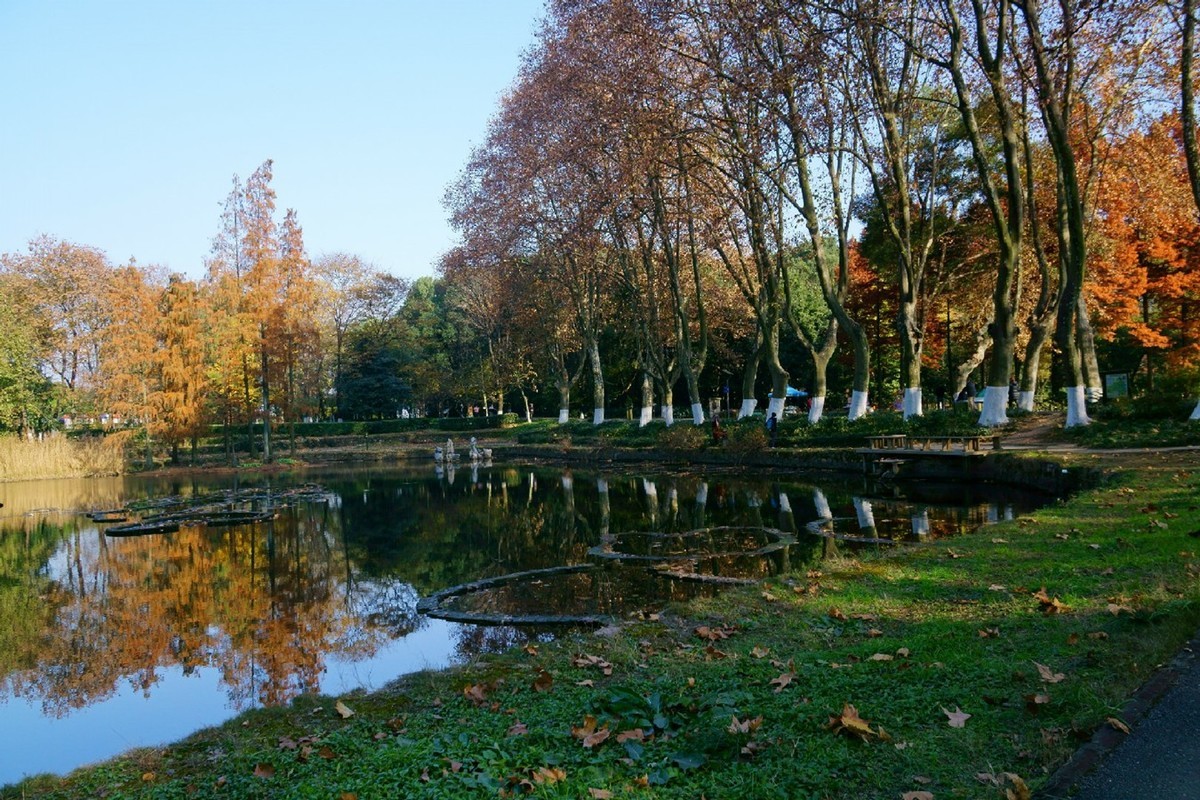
{"x":123,"y":122}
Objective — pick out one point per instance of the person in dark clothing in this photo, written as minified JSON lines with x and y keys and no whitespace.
{"x":718,"y":433}
{"x":772,"y":428}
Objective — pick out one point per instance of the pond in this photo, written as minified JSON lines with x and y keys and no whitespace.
{"x":112,"y":642}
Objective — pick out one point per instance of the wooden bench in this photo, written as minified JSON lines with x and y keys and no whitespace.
{"x":968,"y":444}
{"x":888,"y":441}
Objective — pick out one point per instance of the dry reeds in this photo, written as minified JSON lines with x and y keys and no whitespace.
{"x":56,"y":456}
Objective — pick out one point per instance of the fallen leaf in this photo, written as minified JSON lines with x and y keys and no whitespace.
{"x":770,"y":598}
{"x":989,"y":633}
{"x":713,"y":652}
{"x":921,"y":795}
{"x":874,"y":633}
{"x":782,"y":682}
{"x":849,"y":723}
{"x":348,"y":796}
{"x":633,"y":735}
{"x":589,"y":683}
{"x":999,"y":541}
{"x":881,"y":657}
{"x":600,"y":794}
{"x":597,"y":738}
{"x":745,"y":726}
{"x":1019,"y":790}
{"x":760,"y":652}
{"x":956,"y":718}
{"x":1049,"y":605}
{"x":264,"y":771}
{"x":924,"y":780}
{"x":1115,"y":609}
{"x":531,"y":649}
{"x":549,"y":775}
{"x":1097,"y":635}
{"x":1073,"y":639}
{"x":517,"y":729}
{"x":1048,"y":675}
{"x":995,"y":587}
{"x":544,"y":681}
{"x":326,"y":752}
{"x":714,"y":634}
{"x":147,"y":777}
{"x":902,"y":652}
{"x":836,"y":613}
{"x":476,"y":693}
{"x":343,"y":710}
{"x":1118,"y":724}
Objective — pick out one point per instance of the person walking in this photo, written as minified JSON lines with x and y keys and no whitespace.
{"x":772,"y":429}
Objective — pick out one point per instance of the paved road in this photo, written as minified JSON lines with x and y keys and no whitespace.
{"x":1161,"y":759}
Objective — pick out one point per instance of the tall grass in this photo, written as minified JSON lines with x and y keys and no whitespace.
{"x":56,"y":456}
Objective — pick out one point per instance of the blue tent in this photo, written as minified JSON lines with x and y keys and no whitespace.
{"x":792,"y":392}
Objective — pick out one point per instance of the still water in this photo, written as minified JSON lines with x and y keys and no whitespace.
{"x":108,"y":643}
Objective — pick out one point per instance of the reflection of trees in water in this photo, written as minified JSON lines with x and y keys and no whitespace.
{"x":82,"y":616}
{"x":265,"y":606}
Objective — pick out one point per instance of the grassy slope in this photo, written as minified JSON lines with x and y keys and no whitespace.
{"x":792,"y":653}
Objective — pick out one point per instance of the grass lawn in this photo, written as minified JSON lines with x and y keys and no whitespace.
{"x":964,"y":669}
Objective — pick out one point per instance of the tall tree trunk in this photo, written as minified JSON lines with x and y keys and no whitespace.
{"x":749,"y":378}
{"x":646,"y":413}
{"x":593,"y":349}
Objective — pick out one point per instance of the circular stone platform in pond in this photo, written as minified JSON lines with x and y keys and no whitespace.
{"x":826,"y":527}
{"x":725,"y":541}
{"x":498,"y":601}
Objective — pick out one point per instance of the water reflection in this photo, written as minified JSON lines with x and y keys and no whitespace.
{"x":100,"y":633}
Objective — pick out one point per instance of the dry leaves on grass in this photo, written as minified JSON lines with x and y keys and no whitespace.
{"x":1048,"y":675}
{"x":956,"y":718}
{"x":343,"y":710}
{"x":849,"y":723}
{"x":587,"y":660}
{"x":715,"y":634}
{"x":588,"y":734}
{"x":1049,"y":605}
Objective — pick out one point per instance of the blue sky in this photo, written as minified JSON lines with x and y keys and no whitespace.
{"x":123,"y":122}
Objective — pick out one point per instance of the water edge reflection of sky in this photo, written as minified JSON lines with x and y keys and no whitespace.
{"x":108,"y":643}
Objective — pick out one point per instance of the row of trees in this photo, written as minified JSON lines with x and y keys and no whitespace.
{"x":265,"y":328}
{"x":723,"y":178}
{"x":676,"y":193}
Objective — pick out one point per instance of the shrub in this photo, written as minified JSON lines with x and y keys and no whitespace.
{"x":683,"y":436}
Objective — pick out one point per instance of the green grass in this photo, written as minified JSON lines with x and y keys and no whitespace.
{"x":959,"y":620}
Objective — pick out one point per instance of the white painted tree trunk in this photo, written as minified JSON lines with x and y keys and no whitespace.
{"x":858,"y":404}
{"x":646,"y":417}
{"x":1095,"y":394}
{"x":668,"y":415}
{"x":568,"y":483}
{"x":822,"y":504}
{"x":1025,"y":401}
{"x":564,"y":414}
{"x":1076,"y":407}
{"x":785,"y":505}
{"x":1196,"y":411}
{"x":747,"y":409}
{"x":995,"y":406}
{"x":697,"y":414}
{"x":702,"y":495}
{"x":920,"y":524}
{"x":866,"y":514}
{"x":598,"y":416}
{"x":912,"y":402}
{"x":775,"y":406}
{"x":816,"y":407}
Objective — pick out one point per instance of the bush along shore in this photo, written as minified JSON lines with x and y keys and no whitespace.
{"x":972,"y":667}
